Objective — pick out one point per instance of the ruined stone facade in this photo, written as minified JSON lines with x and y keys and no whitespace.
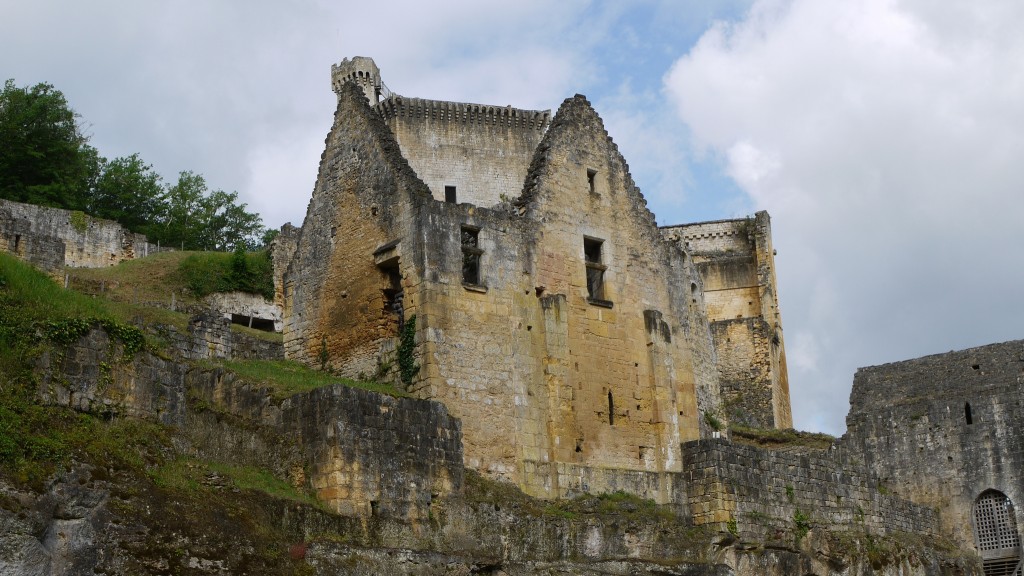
{"x":52,"y":238}
{"x":538,"y":299}
{"x":737,"y":265}
{"x":946,"y":431}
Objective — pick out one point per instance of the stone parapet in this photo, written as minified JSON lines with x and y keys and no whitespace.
{"x":772,"y":495}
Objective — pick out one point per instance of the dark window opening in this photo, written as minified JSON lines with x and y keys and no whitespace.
{"x":976,"y":366}
{"x":253,"y":322}
{"x":373,"y":507}
{"x":449,"y":194}
{"x":611,"y":409}
{"x":471,"y":254}
{"x":591,"y":175}
{"x":967,"y":413}
{"x":17,"y":241}
{"x":595,"y":269}
{"x":393,"y":295}
{"x":579,"y":445}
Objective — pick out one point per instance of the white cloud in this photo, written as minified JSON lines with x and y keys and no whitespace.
{"x":886,"y":139}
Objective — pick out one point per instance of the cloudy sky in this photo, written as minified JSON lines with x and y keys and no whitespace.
{"x":885,"y":137}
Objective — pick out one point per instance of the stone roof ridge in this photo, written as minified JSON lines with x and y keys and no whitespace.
{"x":442,"y":110}
{"x":571,"y":110}
{"x":389,"y":145}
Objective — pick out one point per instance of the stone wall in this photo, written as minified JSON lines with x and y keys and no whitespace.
{"x":942,"y":429}
{"x":52,"y":238}
{"x":737,"y":266}
{"x":246,"y":309}
{"x":361,"y":452}
{"x":779,"y":496}
{"x":282,"y":249}
{"x":481,"y":151}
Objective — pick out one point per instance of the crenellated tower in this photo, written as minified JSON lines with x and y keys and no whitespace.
{"x":362,"y":72}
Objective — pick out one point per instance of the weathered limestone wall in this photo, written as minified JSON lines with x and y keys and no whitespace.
{"x":53,"y":238}
{"x":364,"y":453}
{"x":483,"y":151}
{"x":282,"y":249}
{"x":766,"y":492}
{"x":584,"y":388}
{"x":245,"y":305}
{"x":737,"y":266}
{"x":337,"y":309}
{"x":909,"y":420}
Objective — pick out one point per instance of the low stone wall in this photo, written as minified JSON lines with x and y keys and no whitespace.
{"x":774,"y":495}
{"x":362,"y":452}
{"x":52,"y":238}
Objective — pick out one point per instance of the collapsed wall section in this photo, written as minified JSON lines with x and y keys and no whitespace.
{"x":737,"y":267}
{"x":944,"y":429}
{"x":469,"y":153}
{"x":765,"y":495}
{"x":52,"y":238}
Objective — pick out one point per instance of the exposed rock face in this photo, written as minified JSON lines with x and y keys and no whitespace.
{"x":247,"y":309}
{"x":392,"y":469}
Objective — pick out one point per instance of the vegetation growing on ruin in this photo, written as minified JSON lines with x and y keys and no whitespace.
{"x":35,"y":440}
{"x":205,"y":273}
{"x":287,"y":378}
{"x":780,"y":439}
{"x":181,"y":278}
{"x":189,"y":474}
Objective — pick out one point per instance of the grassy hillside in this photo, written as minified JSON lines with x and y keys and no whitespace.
{"x":180,"y":277}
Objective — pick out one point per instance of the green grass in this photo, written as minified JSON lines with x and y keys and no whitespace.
{"x":34,"y":310}
{"x":286,"y":378}
{"x":188,"y":275}
{"x":189,"y":475}
{"x":776,"y":439}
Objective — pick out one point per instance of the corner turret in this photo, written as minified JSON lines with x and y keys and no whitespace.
{"x":361,"y":71}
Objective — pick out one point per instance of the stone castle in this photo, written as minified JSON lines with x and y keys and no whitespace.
{"x":501,"y":266}
{"x":503,"y":262}
{"x":579,"y":344}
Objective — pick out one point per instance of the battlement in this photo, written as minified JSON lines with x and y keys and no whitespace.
{"x":362,"y":72}
{"x":460,"y":112}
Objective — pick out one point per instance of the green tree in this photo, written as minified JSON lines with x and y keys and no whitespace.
{"x":44,"y":156}
{"x":193,"y":218}
{"x":128,"y":191}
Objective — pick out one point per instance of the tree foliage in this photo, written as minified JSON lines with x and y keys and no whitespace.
{"x":46,"y":159}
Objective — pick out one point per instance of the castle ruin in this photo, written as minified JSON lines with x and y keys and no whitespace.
{"x":547,"y":310}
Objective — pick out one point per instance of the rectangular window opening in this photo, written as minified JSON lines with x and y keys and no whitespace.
{"x":595,"y":271}
{"x":449,"y":194}
{"x":471,"y":254}
{"x":591,"y":175}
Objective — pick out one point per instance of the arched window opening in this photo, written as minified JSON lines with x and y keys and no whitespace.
{"x":967,"y":413}
{"x":995,"y":534}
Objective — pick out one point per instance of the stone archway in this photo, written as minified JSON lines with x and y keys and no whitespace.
{"x":996,"y":535}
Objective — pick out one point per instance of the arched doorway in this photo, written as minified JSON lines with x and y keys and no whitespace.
{"x":995,"y":534}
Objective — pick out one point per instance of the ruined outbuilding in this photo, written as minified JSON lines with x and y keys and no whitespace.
{"x":502,"y":261}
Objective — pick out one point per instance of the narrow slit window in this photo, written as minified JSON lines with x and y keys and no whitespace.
{"x":611,"y":409}
{"x":595,"y":268}
{"x":967,"y":413}
{"x":591,"y":177}
{"x":449,"y":194}
{"x":471,"y":254}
